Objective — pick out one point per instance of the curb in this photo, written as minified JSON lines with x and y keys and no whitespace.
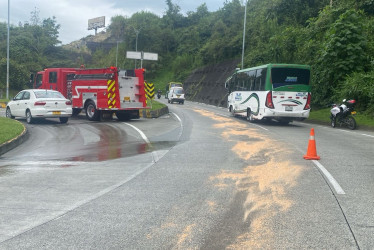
{"x":11,"y":144}
{"x":146,"y":113}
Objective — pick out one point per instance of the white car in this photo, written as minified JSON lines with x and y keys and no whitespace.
{"x":39,"y":103}
{"x":176,"y":94}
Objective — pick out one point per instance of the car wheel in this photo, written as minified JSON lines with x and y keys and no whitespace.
{"x":29,"y":118}
{"x":9,"y":113}
{"x":76,"y":111}
{"x":91,"y":112}
{"x":64,"y":119}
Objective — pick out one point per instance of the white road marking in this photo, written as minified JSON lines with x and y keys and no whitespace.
{"x":336,"y":129}
{"x":180,"y":121}
{"x":259,"y":126}
{"x":140,"y":132}
{"x":330,"y":178}
{"x":372,"y":136}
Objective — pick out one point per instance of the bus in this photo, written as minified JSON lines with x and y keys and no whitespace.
{"x":273,"y":91}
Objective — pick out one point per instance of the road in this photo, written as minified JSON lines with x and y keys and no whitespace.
{"x":194,"y":179}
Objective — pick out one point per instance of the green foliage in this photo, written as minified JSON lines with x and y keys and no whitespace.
{"x":359,"y":86}
{"x":32,"y":48}
{"x":343,"y":50}
{"x":337,"y":41}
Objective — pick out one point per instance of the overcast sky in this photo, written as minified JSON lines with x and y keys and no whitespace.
{"x":73,"y":15}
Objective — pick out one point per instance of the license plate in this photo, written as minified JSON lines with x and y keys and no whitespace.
{"x":126,"y":98}
{"x":56,"y":112}
{"x":353,"y":112}
{"x":288,"y":108}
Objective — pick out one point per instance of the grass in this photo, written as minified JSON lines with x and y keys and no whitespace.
{"x":323,"y":115}
{"x":155,"y":105}
{"x":9,"y":129}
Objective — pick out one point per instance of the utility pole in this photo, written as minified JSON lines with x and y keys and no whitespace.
{"x":245,"y":22}
{"x":136,"y":43}
{"x":7,"y":56}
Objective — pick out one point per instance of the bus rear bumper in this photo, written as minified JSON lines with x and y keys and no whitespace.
{"x":296,"y":115}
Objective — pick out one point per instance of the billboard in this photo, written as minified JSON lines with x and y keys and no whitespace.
{"x":94,"y":23}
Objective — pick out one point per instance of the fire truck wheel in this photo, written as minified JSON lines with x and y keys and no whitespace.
{"x":64,"y":119}
{"x":122,"y":116}
{"x":91,"y":112}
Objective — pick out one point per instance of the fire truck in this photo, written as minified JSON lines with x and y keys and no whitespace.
{"x":100,"y":92}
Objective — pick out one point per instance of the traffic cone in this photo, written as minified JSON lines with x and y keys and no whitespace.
{"x":311,"y":154}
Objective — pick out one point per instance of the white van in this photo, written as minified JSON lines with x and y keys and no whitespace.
{"x":176,"y":94}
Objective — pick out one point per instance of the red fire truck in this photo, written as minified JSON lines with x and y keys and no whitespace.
{"x":100,"y":92}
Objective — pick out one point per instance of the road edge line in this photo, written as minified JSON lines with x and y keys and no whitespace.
{"x":330,"y":178}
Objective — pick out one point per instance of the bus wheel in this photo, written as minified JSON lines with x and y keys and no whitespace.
{"x":250,"y":116}
{"x":232,"y":111}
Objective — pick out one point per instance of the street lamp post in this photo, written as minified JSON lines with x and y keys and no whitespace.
{"x":136,"y":43}
{"x":245,"y":22}
{"x":118,"y":41}
{"x":7,"y":56}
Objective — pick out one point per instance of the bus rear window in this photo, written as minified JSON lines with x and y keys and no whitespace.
{"x":289,"y":76}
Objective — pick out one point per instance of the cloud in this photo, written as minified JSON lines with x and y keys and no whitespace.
{"x":73,"y":15}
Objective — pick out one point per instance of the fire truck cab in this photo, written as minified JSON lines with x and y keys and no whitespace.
{"x":100,"y":92}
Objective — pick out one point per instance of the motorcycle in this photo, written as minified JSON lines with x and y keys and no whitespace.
{"x":343,"y":114}
{"x":158,"y":95}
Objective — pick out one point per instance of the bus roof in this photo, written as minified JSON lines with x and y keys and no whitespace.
{"x":276,"y":65}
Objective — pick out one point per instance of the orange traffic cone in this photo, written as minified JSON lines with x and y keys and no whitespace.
{"x":311,"y":154}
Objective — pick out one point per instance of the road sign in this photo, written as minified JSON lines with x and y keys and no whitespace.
{"x":149,"y":90}
{"x":134,"y":55}
{"x":150,"y":56}
{"x":141,"y":56}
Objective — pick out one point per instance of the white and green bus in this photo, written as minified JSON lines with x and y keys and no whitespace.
{"x":272,"y":91}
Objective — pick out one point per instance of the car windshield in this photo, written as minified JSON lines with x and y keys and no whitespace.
{"x":179,"y":91}
{"x":48,"y":94}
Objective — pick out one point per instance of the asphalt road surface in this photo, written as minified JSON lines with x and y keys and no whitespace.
{"x":194,"y":179}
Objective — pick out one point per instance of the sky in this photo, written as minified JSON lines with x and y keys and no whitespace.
{"x":73,"y":15}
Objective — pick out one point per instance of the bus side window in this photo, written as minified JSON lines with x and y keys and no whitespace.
{"x":252,"y":77}
{"x":260,"y":79}
{"x":232,"y":83}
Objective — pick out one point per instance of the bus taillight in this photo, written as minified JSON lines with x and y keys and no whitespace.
{"x":269,"y":101}
{"x":307,"y":105}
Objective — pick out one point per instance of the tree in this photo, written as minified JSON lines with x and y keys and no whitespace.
{"x":344,"y":50}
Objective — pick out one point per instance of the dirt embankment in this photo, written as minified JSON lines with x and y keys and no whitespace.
{"x":207,"y":85}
